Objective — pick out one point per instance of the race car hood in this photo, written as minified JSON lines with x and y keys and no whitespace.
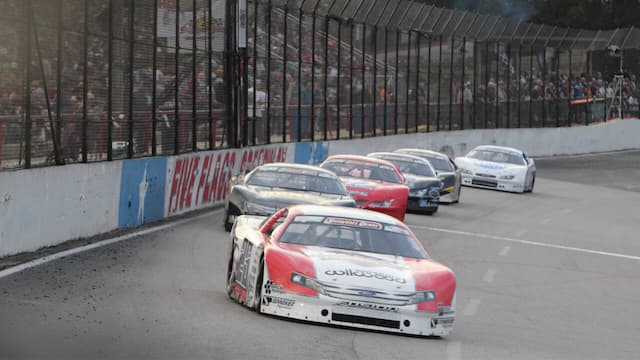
{"x":362,"y":188}
{"x":416,"y":182}
{"x":489,"y":167}
{"x":282,"y":198}
{"x":350,"y":269}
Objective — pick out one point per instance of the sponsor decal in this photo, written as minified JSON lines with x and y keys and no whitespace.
{"x":281,"y":302}
{"x":200,"y":180}
{"x":491,"y":166}
{"x":359,"y":193}
{"x":368,"y":293}
{"x":369,"y":306}
{"x":353,"y":222}
{"x":365,"y":274}
{"x":142,"y":188}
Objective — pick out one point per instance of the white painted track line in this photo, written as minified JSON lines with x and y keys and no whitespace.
{"x":527,"y":242}
{"x":77,"y":250}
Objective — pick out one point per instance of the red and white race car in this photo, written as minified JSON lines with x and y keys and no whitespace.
{"x":375,"y":184}
{"x":341,"y":266}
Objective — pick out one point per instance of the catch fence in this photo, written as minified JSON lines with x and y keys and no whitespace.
{"x":94,"y":80}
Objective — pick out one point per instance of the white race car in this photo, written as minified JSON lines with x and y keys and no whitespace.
{"x":340,"y":266}
{"x":499,"y":168}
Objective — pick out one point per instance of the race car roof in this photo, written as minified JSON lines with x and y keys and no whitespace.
{"x":399,"y":156}
{"x":422,"y":151}
{"x":499,"y":149}
{"x":292,"y":166}
{"x":338,"y":211}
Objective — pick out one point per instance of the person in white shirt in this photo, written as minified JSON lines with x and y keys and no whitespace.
{"x":256,"y":112}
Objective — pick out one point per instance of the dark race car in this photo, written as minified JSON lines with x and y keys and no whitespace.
{"x":273,"y":186}
{"x":424,"y":185}
{"x":447,"y":172}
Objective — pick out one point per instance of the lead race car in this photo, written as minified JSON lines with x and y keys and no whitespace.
{"x":499,"y":168}
{"x":341,"y":266}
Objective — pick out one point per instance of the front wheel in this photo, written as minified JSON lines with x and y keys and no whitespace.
{"x":257,"y":300}
{"x":533,"y":182}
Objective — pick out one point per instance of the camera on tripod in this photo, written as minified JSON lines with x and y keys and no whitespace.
{"x":614,"y":51}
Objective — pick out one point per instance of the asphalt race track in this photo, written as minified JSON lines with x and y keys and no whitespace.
{"x":550,"y":275}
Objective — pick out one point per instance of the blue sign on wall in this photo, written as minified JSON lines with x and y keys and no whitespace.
{"x":311,"y":153}
{"x":142,"y":189}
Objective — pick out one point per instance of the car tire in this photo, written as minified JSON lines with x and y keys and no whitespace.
{"x":257,"y":302}
{"x":533,"y":183}
{"x":458,"y":197}
{"x":227,"y":221}
{"x":231,"y":276}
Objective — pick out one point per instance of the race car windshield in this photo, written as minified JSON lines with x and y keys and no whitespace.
{"x":352,"y":234}
{"x":298,"y":182}
{"x":363,"y":170}
{"x":413,"y":168}
{"x":496,"y":156}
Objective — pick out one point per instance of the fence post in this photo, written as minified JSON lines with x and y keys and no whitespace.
{"x":463,"y":82}
{"x":313,"y":70}
{"x":406,"y":113}
{"x":176,"y":94}
{"x":497,"y":100}
{"x":519,"y":85}
{"x":451,"y":87}
{"x":284,"y":74}
{"x":386,"y":88}
{"x":531,"y":87}
{"x":439,"y":83}
{"x":395,"y":89}
{"x":486,"y":84}
{"x":27,"y":90}
{"x":130,"y":148}
{"x":417,"y":106}
{"x":57,"y":136}
{"x":475,"y":83}
{"x":85,"y":86}
{"x":428,"y":112}
{"x":110,"y":85}
{"x":268,"y":84}
{"x":210,"y":135}
{"x":508,"y":82}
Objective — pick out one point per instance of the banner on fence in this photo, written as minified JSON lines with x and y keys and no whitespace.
{"x":199,"y":180}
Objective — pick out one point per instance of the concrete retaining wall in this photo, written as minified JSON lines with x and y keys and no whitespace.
{"x":612,"y":136}
{"x":47,"y":206}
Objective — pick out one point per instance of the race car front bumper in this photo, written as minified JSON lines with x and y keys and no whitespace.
{"x":328,"y":310}
{"x":492,"y":183}
{"x":423,"y":204}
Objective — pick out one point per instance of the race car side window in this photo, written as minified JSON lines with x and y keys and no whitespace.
{"x":276,"y":219}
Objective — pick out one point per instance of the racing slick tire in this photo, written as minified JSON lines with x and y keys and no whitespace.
{"x":533,"y":183}
{"x":257,"y":305}
{"x":231,"y":277}
{"x":459,"y":193}
{"x":226,"y":219}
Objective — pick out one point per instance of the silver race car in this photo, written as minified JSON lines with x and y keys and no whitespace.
{"x":499,"y":168}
